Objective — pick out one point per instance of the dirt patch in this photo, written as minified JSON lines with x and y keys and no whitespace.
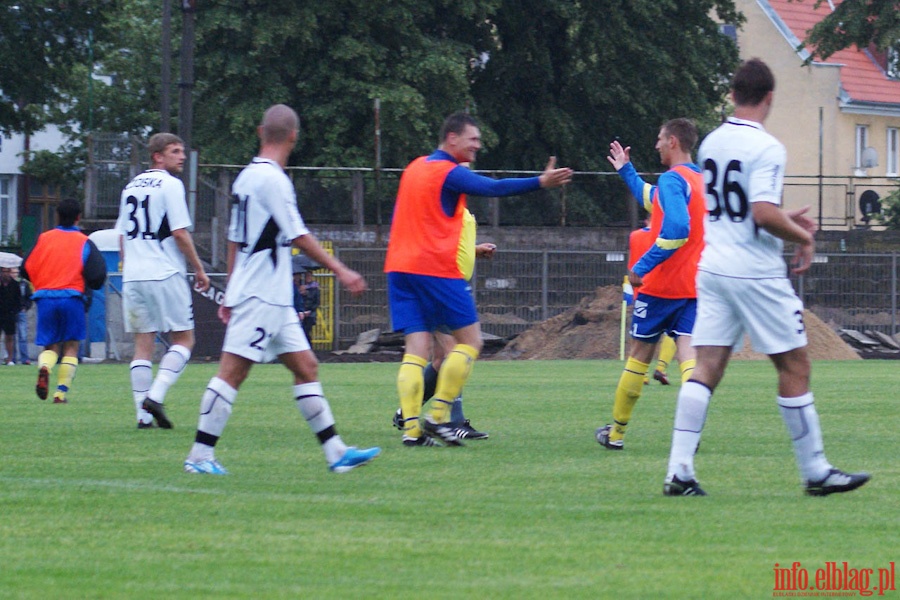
{"x":591,"y":330}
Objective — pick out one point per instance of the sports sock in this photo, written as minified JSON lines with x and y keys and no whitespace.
{"x":690,"y":416}
{"x":802,"y":421}
{"x":666,"y":353}
{"x":47,"y":358}
{"x":456,"y":410}
{"x":317,"y":412}
{"x":430,"y":377}
{"x":452,"y":377}
{"x":67,"y":368}
{"x":409,"y":387}
{"x":631,"y":384}
{"x":215,"y":408}
{"x":141,"y":378}
{"x":171,"y":366}
{"x":687,"y":369}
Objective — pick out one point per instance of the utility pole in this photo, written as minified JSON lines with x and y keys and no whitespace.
{"x":165,"y":110}
{"x":186,"y":108}
{"x":186,"y":86}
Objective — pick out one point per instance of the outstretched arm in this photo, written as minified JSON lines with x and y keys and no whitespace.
{"x":464,"y":181}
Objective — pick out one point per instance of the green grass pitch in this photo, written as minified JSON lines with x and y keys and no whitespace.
{"x":90,"y":507}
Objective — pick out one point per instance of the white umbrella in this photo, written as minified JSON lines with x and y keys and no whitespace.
{"x":8,"y":260}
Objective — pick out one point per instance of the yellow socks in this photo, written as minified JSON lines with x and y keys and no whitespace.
{"x":452,"y":377}
{"x":67,"y":367}
{"x":687,"y":369}
{"x":666,"y":353}
{"x":48,"y":359}
{"x":628,"y":391}
{"x":410,"y":383}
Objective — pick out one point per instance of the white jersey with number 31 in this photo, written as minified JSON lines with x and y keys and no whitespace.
{"x":264,"y":222}
{"x":741,"y":164}
{"x":151,"y":208}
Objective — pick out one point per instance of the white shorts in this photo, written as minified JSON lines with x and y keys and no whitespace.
{"x":158,"y":306}
{"x":259,"y":331}
{"x":767,"y":310}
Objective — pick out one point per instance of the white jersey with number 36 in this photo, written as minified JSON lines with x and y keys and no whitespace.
{"x":264,"y":222}
{"x":151,"y":208}
{"x":741,"y":164}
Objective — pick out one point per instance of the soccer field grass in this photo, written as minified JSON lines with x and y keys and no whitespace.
{"x":91,"y":507}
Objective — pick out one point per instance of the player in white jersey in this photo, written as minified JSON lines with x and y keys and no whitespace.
{"x":742,"y":287}
{"x":258,"y":307}
{"x":155,"y":245}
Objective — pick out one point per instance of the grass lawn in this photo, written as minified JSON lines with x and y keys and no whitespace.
{"x":91,"y":507}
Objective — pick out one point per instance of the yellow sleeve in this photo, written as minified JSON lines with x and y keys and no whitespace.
{"x":465,"y":257}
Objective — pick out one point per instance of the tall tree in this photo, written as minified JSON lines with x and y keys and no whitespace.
{"x":330,"y":60}
{"x":119,"y":91}
{"x":852,"y":22}
{"x":569,"y":77}
{"x":40,"y":42}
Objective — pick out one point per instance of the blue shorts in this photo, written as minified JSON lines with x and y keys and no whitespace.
{"x":654,"y":316}
{"x":60,"y":320}
{"x":426,"y":303}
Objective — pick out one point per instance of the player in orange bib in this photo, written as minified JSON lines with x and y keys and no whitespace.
{"x":664,"y":275}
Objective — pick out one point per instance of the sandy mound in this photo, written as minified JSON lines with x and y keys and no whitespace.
{"x":591,"y":330}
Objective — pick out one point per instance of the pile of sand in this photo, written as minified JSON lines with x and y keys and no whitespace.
{"x":591,"y":330}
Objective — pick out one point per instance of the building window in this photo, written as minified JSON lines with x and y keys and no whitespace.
{"x":729,"y":31}
{"x":862,"y":142}
{"x":892,"y":164}
{"x":5,"y":208}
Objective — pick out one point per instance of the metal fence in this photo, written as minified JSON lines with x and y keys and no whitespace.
{"x":518,"y":289}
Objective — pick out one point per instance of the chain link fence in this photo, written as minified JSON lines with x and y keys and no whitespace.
{"x":518,"y":289}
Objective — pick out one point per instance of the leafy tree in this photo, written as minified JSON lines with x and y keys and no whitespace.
{"x":330,"y":60}
{"x":120,"y":91}
{"x":51,"y":168}
{"x":568,"y":78}
{"x":890,"y":210}
{"x":861,"y":23}
{"x":874,"y":22}
{"x":40,"y":43}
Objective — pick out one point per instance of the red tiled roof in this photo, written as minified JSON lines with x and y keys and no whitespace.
{"x":862,"y":79}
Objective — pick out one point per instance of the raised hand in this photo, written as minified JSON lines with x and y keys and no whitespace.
{"x":618,"y":156}
{"x":553,"y":177}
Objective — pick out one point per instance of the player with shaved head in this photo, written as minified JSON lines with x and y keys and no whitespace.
{"x":259,"y":302}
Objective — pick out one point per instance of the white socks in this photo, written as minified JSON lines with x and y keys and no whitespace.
{"x":802,"y":421}
{"x":317,"y":412}
{"x":141,"y":379}
{"x":690,"y":416}
{"x":215,"y":409}
{"x":171,"y":366}
{"x":799,"y":415}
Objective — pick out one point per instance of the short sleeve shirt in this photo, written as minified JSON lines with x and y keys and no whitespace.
{"x":742,"y":164}
{"x":152,"y":206}
{"x":264,"y":223}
